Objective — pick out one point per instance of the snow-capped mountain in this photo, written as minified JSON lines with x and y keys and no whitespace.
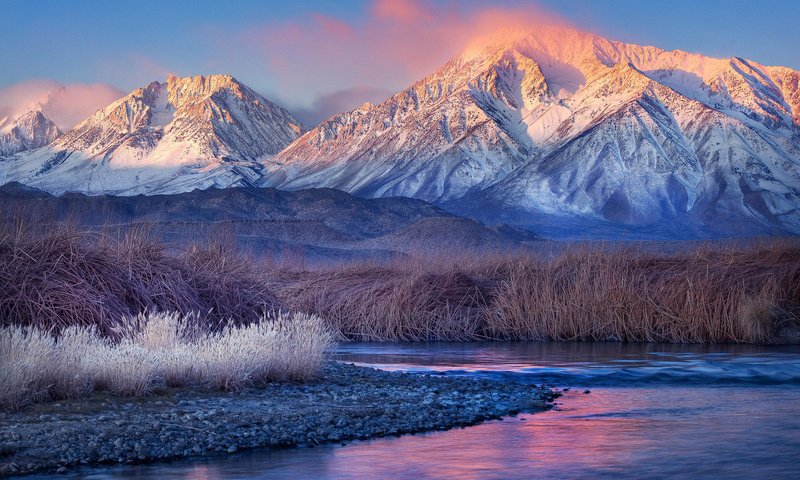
{"x":187,"y":133}
{"x":29,"y":131}
{"x":551,"y":126}
{"x":566,"y":124}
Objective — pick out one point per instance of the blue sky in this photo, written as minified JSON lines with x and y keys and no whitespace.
{"x":127,"y":44}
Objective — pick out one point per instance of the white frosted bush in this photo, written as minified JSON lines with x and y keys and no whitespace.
{"x":26,"y":360}
{"x":159,"y":349}
{"x":72,"y":368}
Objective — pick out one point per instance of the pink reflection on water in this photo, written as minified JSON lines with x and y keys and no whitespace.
{"x":610,"y":433}
{"x":607,"y":434}
{"x":530,"y":443}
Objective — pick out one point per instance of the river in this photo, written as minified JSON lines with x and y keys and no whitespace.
{"x":651,"y":411}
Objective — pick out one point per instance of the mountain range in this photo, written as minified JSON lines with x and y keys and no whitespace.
{"x":169,"y":137}
{"x":553,"y":128}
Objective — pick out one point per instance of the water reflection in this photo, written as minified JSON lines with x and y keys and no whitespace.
{"x":625,"y":428}
{"x":607,"y":434}
{"x":607,"y":364}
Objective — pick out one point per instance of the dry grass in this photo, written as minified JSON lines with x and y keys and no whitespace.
{"x":695,"y":294}
{"x":158,"y":350}
{"x":703,"y":296}
{"x":26,"y":358}
{"x":63,"y":277}
{"x":390,"y":303}
{"x":708,"y":294}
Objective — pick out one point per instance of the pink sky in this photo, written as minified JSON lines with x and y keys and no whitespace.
{"x":337,"y":64}
{"x":63,"y":104}
{"x":312,"y":62}
{"x":400,"y":40}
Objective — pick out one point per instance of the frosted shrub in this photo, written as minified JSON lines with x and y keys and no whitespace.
{"x":26,"y":358}
{"x":158,"y":349}
{"x":277,"y":347}
{"x":72,"y":368}
{"x":124,"y":369}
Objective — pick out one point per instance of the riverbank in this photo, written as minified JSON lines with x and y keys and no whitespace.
{"x":348,"y":403}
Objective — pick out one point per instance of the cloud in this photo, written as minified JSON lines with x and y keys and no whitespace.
{"x":327,"y":105}
{"x":403,"y":11}
{"x":398,"y":42}
{"x":22,"y":97}
{"x":65,"y":105}
{"x":320,"y":64}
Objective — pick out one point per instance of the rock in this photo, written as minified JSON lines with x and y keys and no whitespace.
{"x":348,"y":403}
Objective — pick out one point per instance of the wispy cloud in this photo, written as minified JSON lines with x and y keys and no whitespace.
{"x":338,"y":101}
{"x":63,"y":104}
{"x":398,"y":42}
{"x":316,"y":64}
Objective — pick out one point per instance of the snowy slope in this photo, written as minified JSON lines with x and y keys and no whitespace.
{"x":568,"y":124}
{"x":29,"y":131}
{"x":187,"y":133}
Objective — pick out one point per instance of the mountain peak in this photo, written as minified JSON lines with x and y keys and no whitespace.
{"x":198,"y":110}
{"x":200,"y":86}
{"x":28,"y":131}
{"x":555,"y":121}
{"x":212,"y":79}
{"x":211,"y":127}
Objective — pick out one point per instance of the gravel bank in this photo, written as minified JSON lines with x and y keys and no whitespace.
{"x":348,"y":403}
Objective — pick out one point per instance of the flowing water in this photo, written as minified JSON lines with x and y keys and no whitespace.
{"x":653,"y":411}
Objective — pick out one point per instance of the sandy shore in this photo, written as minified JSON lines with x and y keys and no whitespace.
{"x":347,"y":403}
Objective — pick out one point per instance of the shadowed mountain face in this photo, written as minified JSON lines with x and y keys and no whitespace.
{"x":313,"y":224}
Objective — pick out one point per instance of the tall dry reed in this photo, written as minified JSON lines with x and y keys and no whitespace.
{"x":707,"y":294}
{"x":64,"y":277}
